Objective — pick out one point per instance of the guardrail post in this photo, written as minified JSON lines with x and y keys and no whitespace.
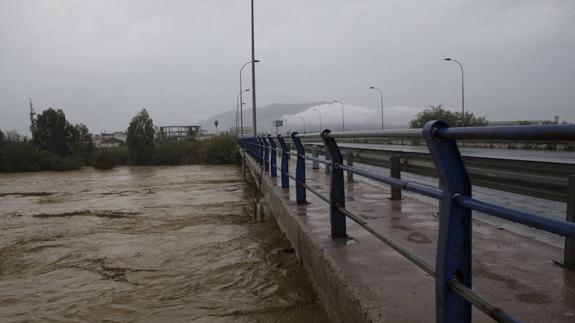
{"x":300,"y":189}
{"x":266,"y":154}
{"x":336,"y":190}
{"x":453,"y":261}
{"x":260,"y":151}
{"x":327,"y":166}
{"x":284,"y":169}
{"x":273,"y":154}
{"x":254,"y":148}
{"x":569,"y":253}
{"x":350,"y":163}
{"x":395,"y":172}
{"x":315,"y":153}
{"x":244,"y":163}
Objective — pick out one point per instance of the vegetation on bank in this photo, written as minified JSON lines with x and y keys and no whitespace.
{"x":222,"y":149}
{"x":142,"y":150}
{"x":58,"y":145}
{"x":454,"y":119}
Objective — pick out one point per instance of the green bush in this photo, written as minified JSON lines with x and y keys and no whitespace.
{"x":105,"y":159}
{"x":59,"y":164}
{"x":179,"y":152}
{"x":22,"y":156}
{"x":222,"y":149}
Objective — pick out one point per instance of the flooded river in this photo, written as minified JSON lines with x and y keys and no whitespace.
{"x":144,"y":244}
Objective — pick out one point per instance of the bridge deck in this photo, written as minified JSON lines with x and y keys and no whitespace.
{"x":515,"y":273}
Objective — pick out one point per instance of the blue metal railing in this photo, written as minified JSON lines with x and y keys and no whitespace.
{"x":452,"y":271}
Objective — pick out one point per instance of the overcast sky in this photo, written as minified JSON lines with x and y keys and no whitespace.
{"x":101,"y":61}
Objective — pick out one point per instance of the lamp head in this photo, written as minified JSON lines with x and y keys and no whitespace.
{"x":256,"y":61}
{"x":372,"y":87}
{"x":247,"y":90}
{"x":448,"y":59}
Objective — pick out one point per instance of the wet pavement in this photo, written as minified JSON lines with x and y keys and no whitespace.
{"x":513,"y":272}
{"x":144,"y":244}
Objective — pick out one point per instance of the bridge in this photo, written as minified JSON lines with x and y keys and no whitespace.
{"x":364,"y":270}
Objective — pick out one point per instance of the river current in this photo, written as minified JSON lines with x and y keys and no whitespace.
{"x":145,"y":244}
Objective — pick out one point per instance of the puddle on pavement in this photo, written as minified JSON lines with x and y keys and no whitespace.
{"x":144,"y":244}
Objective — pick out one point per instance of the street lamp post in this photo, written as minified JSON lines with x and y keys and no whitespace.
{"x":462,"y":91}
{"x":303,"y":120}
{"x":241,"y":99}
{"x":254,"y":75}
{"x":381,"y":101}
{"x":240,"y":107}
{"x":342,"y":115}
{"x":319,"y":114}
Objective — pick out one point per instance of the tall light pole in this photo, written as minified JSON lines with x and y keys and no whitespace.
{"x":462,"y":91}
{"x":240,"y":107}
{"x":241,"y":99}
{"x":319,"y":114}
{"x":254,"y":76}
{"x":342,"y":115}
{"x":381,"y":101}
{"x":303,"y":120}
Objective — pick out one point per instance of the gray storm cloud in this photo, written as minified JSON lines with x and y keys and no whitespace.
{"x":104,"y":60}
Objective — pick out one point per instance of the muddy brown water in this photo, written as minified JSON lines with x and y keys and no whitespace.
{"x":144,"y":244}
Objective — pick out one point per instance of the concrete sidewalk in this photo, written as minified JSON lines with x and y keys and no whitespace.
{"x":365,"y":280}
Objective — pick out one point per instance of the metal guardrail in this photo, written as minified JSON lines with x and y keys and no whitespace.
{"x":542,"y":179}
{"x":452,"y":272}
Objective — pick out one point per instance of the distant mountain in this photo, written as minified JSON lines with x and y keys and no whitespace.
{"x":265,"y":116}
{"x":304,"y":117}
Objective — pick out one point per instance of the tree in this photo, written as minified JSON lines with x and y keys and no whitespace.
{"x":141,"y":138}
{"x":53,"y":132}
{"x":82,"y":143}
{"x":452,"y":118}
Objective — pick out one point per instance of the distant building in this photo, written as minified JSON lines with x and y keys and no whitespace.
{"x":178,"y":132}
{"x":110,"y":140}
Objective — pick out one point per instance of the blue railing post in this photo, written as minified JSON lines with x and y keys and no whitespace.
{"x":300,"y":170}
{"x":257,"y":149}
{"x":284,"y":166}
{"x":260,"y":151}
{"x":254,"y":148}
{"x":273,"y":154}
{"x":266,"y":154}
{"x":453,"y":261}
{"x":336,"y":190}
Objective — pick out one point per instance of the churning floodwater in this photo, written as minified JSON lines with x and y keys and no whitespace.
{"x":144,"y":244}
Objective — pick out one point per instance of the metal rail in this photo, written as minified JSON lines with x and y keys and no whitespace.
{"x":542,"y":179}
{"x":452,"y":271}
{"x":535,"y":133}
